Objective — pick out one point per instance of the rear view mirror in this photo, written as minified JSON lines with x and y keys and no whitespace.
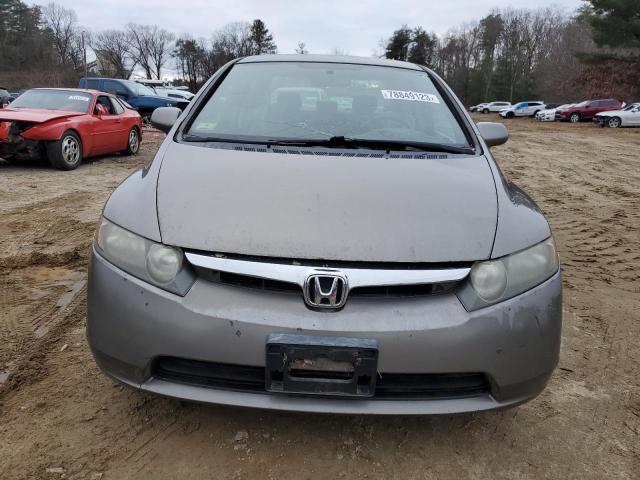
{"x":163,"y":118}
{"x":493,"y":133}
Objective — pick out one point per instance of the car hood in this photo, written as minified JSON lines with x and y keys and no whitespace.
{"x":33,"y":115}
{"x":611,"y":113}
{"x":327,"y":207}
{"x":158,"y":98}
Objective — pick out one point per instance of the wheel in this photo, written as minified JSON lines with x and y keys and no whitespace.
{"x":486,"y":110}
{"x":614,"y":122}
{"x":535,"y":113}
{"x":66,"y":153}
{"x":133,"y":144}
{"x":510,"y":114}
{"x":575,"y":118}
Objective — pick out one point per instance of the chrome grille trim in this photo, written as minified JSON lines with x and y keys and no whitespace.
{"x":297,"y":274}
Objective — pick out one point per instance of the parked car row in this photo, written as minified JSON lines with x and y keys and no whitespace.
{"x":607,"y":112}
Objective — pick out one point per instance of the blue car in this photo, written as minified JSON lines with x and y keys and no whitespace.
{"x":141,"y":98}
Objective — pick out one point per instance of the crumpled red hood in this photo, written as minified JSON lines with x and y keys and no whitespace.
{"x":33,"y":115}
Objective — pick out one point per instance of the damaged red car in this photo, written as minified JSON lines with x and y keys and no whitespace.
{"x":67,"y":125}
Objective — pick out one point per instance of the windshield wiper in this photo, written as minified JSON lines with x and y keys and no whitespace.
{"x":200,"y":138}
{"x":345,"y":142}
{"x":340,"y":141}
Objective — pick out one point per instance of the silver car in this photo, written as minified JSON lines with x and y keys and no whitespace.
{"x":356,"y":251}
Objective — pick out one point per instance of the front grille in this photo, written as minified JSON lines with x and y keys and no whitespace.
{"x":234,"y":279}
{"x":396,"y":386}
{"x":226,"y":278}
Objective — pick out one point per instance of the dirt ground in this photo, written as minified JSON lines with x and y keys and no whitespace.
{"x":61,"y":418}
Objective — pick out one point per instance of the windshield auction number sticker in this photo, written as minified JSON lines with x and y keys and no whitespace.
{"x":79,"y":98}
{"x":408,"y":95}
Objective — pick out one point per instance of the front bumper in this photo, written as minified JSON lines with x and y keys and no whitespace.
{"x":130,"y":324}
{"x":20,"y":148}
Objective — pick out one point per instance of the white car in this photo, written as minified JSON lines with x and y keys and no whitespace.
{"x":627,"y":117}
{"x":523,"y":109}
{"x":549,"y":114}
{"x":478,"y":108}
{"x":174,"y":93}
{"x":495,"y":107}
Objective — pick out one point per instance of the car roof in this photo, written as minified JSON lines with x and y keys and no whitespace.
{"x":107,"y":78}
{"x":382,"y":62}
{"x":81,"y":90}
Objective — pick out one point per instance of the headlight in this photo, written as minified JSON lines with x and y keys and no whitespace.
{"x":158,"y":264}
{"x":494,"y":281}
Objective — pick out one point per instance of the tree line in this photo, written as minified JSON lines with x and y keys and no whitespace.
{"x":510,"y":54}
{"x":42,"y":46}
{"x":533,"y":54}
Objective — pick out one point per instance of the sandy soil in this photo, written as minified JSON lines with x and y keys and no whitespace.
{"x":61,"y":418}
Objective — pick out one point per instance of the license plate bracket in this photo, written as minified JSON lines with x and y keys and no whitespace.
{"x":326,"y":366}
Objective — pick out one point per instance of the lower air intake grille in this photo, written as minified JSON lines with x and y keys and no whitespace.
{"x":394,"y":386}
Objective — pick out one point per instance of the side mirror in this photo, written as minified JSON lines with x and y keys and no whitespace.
{"x":163,"y":118}
{"x":122,"y":93}
{"x":493,"y":133}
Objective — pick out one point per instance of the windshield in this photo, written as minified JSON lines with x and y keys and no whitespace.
{"x":67,"y":100}
{"x":138,"y":88}
{"x":632,"y":106}
{"x":273,"y":101}
{"x":582,"y":104}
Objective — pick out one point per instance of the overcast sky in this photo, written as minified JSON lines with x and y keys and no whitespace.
{"x":354,"y":26}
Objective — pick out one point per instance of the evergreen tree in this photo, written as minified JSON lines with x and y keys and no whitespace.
{"x":616,"y":23}
{"x":423,"y":48}
{"x":399,"y":43}
{"x":261,"y":39}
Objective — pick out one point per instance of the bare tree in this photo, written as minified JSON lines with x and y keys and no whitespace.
{"x":302,"y":48}
{"x":233,"y":40}
{"x":63,"y":23}
{"x":160,"y":44}
{"x":151,"y":47}
{"x":113,"y":50}
{"x":138,"y":38}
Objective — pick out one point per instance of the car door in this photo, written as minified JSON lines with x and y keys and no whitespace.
{"x":632,"y":117}
{"x":121,"y":131}
{"x":108,"y":126}
{"x":592,"y":108}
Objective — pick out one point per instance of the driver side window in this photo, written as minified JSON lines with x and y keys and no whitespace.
{"x":104,"y":106}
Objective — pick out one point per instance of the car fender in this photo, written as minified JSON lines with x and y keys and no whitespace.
{"x":132,"y":205}
{"x":53,"y":130}
{"x":521,"y":223}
